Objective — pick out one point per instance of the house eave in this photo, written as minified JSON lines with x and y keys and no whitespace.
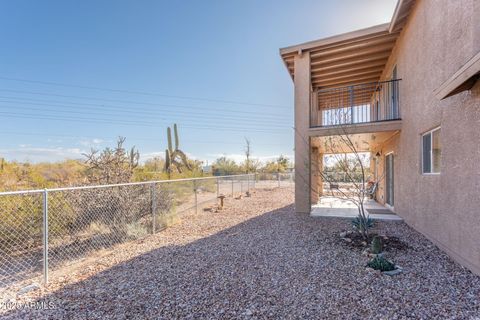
{"x":357,"y":56}
{"x":298,"y":48}
{"x":464,"y":79}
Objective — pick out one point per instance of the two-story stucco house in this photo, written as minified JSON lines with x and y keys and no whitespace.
{"x":409,"y":88}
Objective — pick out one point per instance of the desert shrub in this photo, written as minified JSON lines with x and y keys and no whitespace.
{"x":20,"y":222}
{"x":112,"y":165}
{"x":135,"y":230}
{"x":166,"y":220}
{"x":224,"y":167}
{"x":122,"y":210}
{"x":381,"y":263}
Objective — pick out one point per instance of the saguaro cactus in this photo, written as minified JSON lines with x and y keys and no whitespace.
{"x":175,"y":159}
{"x":168,"y":162}
{"x":176,"y":136}
{"x":169,"y":139}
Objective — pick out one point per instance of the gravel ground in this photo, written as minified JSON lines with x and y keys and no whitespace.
{"x":258,"y":259}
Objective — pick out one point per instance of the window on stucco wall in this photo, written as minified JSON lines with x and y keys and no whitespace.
{"x":431,"y":152}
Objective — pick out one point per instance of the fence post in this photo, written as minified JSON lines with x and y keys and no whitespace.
{"x":232,"y":187}
{"x":248,"y":183}
{"x":154,"y":206}
{"x":45,"y":236}
{"x":196,"y":199}
{"x":278,"y":179}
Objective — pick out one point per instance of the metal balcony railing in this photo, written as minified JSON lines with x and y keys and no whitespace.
{"x":361,"y":103}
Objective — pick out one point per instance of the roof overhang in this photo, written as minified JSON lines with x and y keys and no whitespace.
{"x":464,"y":79}
{"x":400,"y":15}
{"x":354,"y":57}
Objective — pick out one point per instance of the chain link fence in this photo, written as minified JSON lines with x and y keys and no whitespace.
{"x":44,"y":230}
{"x":274,"y":180}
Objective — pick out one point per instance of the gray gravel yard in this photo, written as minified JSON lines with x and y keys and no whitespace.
{"x":258,"y":259}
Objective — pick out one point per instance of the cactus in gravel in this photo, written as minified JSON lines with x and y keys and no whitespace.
{"x":377,"y":245}
{"x":174,"y":158}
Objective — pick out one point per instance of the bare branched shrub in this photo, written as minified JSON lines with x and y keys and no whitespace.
{"x":354,"y":172}
{"x":119,"y":208}
{"x":112,"y":166}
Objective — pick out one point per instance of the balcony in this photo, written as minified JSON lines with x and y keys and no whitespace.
{"x":356,"y":105}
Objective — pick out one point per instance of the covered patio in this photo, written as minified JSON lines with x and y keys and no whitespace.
{"x":331,"y":194}
{"x":343,"y":84}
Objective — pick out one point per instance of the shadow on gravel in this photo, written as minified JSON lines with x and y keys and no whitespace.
{"x":203,"y":272}
{"x":276,"y":265}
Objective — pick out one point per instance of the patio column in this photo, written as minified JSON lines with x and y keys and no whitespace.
{"x":316,"y":178}
{"x":320,"y":179}
{"x":302,"y":124}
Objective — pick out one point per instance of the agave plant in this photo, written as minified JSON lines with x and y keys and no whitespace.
{"x":381,"y":263}
{"x":362,"y":225}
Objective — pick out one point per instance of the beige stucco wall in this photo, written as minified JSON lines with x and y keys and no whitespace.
{"x":440,"y":36}
{"x":390,"y":146}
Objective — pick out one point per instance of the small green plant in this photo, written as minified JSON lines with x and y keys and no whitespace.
{"x":363,"y":225}
{"x":380,"y":263}
{"x":377,"y":245}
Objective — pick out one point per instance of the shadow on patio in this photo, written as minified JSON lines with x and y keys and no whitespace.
{"x":330,"y":206}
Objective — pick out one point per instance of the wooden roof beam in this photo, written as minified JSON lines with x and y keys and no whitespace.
{"x":388,"y":39}
{"x":353,"y":81}
{"x":352,"y":70}
{"x":351,"y":42}
{"x":349,"y":36}
{"x":357,"y":54}
{"x":373,"y":64}
{"x":352,"y":62}
{"x":347,"y":76}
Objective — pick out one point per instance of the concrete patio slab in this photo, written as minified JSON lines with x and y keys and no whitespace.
{"x":329,"y":206}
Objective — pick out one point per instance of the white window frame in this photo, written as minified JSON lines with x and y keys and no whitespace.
{"x":431,"y":152}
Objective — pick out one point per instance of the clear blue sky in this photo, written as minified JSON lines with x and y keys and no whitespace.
{"x":218,"y":51}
